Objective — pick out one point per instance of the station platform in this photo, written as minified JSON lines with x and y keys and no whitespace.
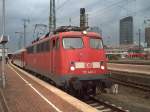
{"x":131,"y":61}
{"x":142,"y":69}
{"x":26,"y":93}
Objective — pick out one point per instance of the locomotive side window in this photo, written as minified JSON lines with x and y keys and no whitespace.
{"x":47,"y":46}
{"x":72,"y":42}
{"x":30,"y":49}
{"x":42,"y":47}
{"x":96,"y":43}
{"x":34,"y":49}
{"x":38,"y":48}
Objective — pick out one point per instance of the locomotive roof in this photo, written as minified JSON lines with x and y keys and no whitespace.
{"x":75,"y":33}
{"x":66,"y":34}
{"x":19,"y":51}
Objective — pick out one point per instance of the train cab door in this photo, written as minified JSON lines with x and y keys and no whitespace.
{"x":57,"y":56}
{"x":53,"y":45}
{"x":54,"y":55}
{"x":22,"y":59}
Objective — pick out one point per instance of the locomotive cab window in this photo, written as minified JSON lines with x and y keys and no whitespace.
{"x":72,"y":42}
{"x":96,"y":43}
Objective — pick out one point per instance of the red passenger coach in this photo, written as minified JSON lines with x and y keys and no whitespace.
{"x":18,"y":58}
{"x":69,"y":58}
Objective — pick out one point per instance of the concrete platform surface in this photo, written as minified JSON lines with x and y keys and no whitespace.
{"x":26,"y":93}
{"x":1,"y":108}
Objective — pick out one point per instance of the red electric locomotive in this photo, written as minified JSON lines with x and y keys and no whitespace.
{"x":70,"y":58}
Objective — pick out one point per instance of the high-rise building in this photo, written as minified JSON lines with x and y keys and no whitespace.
{"x":126,"y":31}
{"x":147,"y":36}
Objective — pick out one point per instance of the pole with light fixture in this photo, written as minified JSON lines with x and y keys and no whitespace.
{"x":3,"y":40}
{"x":25,"y":21}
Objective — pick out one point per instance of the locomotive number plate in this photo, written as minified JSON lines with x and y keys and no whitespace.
{"x":88,"y":65}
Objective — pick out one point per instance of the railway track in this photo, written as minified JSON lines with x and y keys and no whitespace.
{"x":129,"y":73}
{"x":103,"y":106}
{"x":139,"y":86}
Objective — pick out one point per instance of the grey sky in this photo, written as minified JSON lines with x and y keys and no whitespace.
{"x":103,"y":13}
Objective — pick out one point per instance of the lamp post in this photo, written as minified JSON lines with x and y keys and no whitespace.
{"x":3,"y":40}
{"x":3,"y":48}
{"x":25,"y":21}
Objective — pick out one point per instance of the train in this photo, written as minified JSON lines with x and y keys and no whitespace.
{"x":71,"y":58}
{"x":137,"y":53}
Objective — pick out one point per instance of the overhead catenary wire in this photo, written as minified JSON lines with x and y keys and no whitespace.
{"x":62,"y":5}
{"x":101,"y":12}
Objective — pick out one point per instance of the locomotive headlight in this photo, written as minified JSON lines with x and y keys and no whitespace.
{"x":102,"y":67}
{"x":72,"y":68}
{"x":84,"y":32}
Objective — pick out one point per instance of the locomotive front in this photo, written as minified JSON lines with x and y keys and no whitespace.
{"x":83,"y":60}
